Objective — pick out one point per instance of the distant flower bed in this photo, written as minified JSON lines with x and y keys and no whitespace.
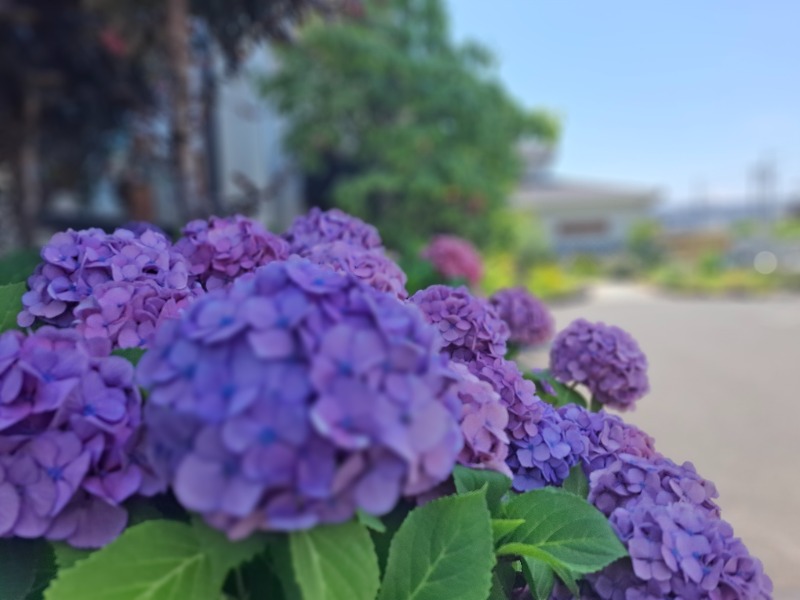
{"x":242,"y":415}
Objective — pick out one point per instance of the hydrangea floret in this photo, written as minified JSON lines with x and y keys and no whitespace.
{"x":324,"y":227}
{"x":529,"y":320}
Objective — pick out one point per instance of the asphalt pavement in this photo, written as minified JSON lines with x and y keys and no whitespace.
{"x":725,"y":396}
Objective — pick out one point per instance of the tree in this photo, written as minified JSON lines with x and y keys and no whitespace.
{"x":399,"y":125}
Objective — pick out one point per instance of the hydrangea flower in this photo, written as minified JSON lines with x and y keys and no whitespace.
{"x":221,"y":249}
{"x":484,"y":418}
{"x":295,"y":397}
{"x":70,"y":420}
{"x":468,"y":325}
{"x":324,"y":227}
{"x":605,"y":359}
{"x":679,"y":551}
{"x":454,"y":258}
{"x":632,"y":480}
{"x":75,"y":263}
{"x":370,"y":266}
{"x":607,"y":437}
{"x":528,"y":319}
{"x":139,"y":227}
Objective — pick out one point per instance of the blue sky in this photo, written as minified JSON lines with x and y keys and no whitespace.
{"x":684,"y":95}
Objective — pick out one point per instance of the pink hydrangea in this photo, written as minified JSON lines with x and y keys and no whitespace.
{"x":455,"y":258}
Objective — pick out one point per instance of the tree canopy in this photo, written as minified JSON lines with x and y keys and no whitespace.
{"x":402,"y":126}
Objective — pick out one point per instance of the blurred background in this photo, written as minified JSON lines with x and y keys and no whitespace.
{"x":637,"y":163}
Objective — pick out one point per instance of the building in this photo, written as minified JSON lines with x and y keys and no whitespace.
{"x":579,"y":216}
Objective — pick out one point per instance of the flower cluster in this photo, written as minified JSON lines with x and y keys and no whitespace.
{"x":528,"y":319}
{"x":455,"y":258}
{"x":69,"y":438}
{"x":323,"y":227}
{"x":139,"y":227}
{"x":605,"y":359}
{"x":79,"y":265}
{"x":468,"y":325}
{"x":297,"y":396}
{"x":484,"y":419}
{"x":370,"y":266}
{"x":607,"y":437}
{"x":680,"y":551}
{"x":221,"y":249}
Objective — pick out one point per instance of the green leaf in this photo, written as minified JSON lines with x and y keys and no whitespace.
{"x":502,"y":527}
{"x":565,"y":527}
{"x":532,"y":553}
{"x":18,"y":265}
{"x":577,"y":482}
{"x":154,"y":560}
{"x":66,"y":556}
{"x":503,"y":578}
{"x":539,"y":577}
{"x":130,"y":354}
{"x":563,"y":394}
{"x":280,"y":561}
{"x":335,"y":562}
{"x":469,"y":480}
{"x":443,"y":550}
{"x":19,"y":562}
{"x":223,"y":553}
{"x":370,"y":521}
{"x":10,"y":304}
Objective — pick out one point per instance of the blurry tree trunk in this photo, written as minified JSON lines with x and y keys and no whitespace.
{"x":177,"y":24}
{"x":28,"y":194}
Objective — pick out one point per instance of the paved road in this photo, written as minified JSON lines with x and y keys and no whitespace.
{"x":724,"y":379}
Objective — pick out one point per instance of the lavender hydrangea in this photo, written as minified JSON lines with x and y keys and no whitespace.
{"x":542,"y":446}
{"x":455,"y":258}
{"x":469,"y":326}
{"x":295,"y":397}
{"x":679,"y":551}
{"x":70,"y":420}
{"x":370,"y":266}
{"x":607,"y":437}
{"x":605,"y":359}
{"x":632,"y":480}
{"x":528,"y":319}
{"x":324,"y":227}
{"x":76,"y":263}
{"x":221,"y":249}
{"x":484,"y":419}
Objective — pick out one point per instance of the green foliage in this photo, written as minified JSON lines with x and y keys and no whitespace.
{"x":335,"y":563}
{"x":539,"y":576}
{"x":414,"y":131}
{"x":644,"y":244}
{"x":21,"y":562}
{"x":132,"y":355}
{"x":563,"y":394}
{"x":443,"y":550}
{"x":496,"y":484}
{"x":155,"y":560}
{"x":66,"y":556}
{"x":18,"y":265}
{"x":10,"y":304}
{"x":577,"y":482}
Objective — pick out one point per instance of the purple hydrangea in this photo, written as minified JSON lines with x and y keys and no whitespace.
{"x":527,"y":317}
{"x":76,"y":263}
{"x":484,"y":419}
{"x":542,"y":446}
{"x":469,"y":326}
{"x":679,"y":551}
{"x":370,"y":266}
{"x":139,"y":227}
{"x":127,"y":314}
{"x":605,"y":359}
{"x":295,"y":397}
{"x":221,"y":249}
{"x":70,"y":420}
{"x":455,"y":258}
{"x":632,"y":480}
{"x":607,"y":437}
{"x":324,"y":227}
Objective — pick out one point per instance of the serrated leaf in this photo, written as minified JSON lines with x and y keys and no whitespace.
{"x":577,"y":482}
{"x":502,"y":527}
{"x":370,"y":521}
{"x":443,"y":550}
{"x":497,"y":484}
{"x":130,"y":354}
{"x":152,"y":561}
{"x":19,"y":562}
{"x":335,"y":562}
{"x":10,"y":305}
{"x":66,"y":556}
{"x":539,"y":576}
{"x":565,"y":527}
{"x":532,"y":553}
{"x":18,"y":265}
